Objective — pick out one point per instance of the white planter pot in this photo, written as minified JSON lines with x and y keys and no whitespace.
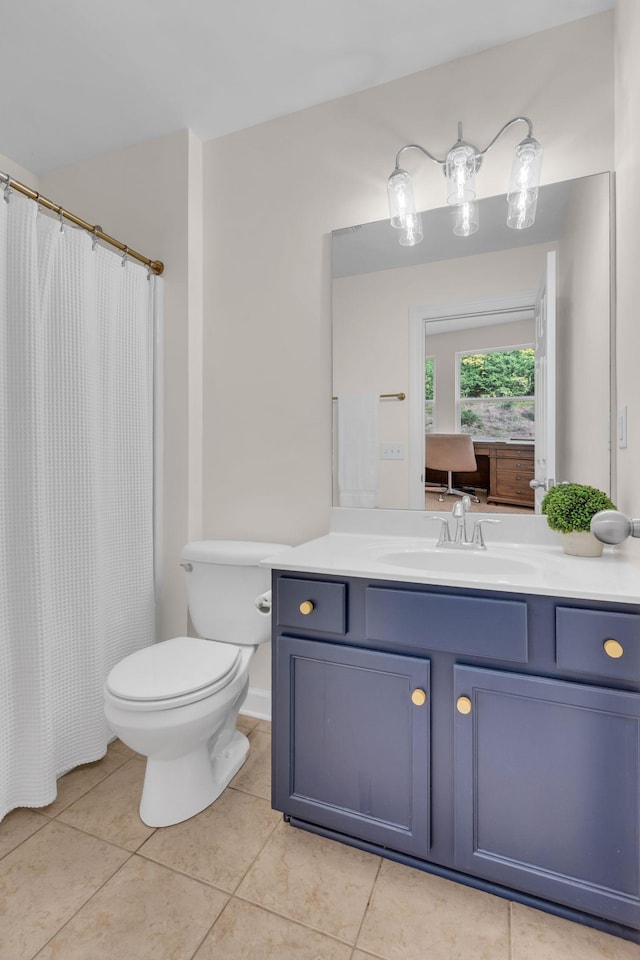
{"x":581,"y":545}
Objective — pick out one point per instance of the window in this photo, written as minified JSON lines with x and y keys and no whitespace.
{"x":496,"y":393}
{"x":429,"y":394}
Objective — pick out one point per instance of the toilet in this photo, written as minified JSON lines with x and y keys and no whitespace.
{"x":177,"y":701}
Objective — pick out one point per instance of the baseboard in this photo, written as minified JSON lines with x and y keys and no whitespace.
{"x":257,"y":704}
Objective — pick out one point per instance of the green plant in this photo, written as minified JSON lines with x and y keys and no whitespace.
{"x":569,"y":507}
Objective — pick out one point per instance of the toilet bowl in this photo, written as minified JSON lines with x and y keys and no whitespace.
{"x":177,"y":701}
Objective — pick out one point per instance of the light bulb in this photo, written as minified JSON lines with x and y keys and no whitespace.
{"x":523,"y":186}
{"x":401,"y":201}
{"x":411,"y":233}
{"x":460,"y":167}
{"x":466,"y":219}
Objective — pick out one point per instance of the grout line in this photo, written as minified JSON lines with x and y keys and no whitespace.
{"x":82,"y":905}
{"x":46,"y":822}
{"x":369,"y":898}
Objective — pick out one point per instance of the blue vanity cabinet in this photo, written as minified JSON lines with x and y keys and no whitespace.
{"x":353,"y":737}
{"x":547,"y":795}
{"x":490,"y":737}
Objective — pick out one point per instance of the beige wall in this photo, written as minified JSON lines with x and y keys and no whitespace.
{"x":627,"y":102}
{"x":16,"y":172}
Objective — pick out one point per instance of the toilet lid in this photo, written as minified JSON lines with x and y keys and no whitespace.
{"x":173,"y":668}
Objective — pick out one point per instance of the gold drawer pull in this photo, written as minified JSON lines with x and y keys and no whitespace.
{"x":613,"y":649}
{"x":306,"y":607}
{"x":463,"y":705}
{"x":418,"y":697}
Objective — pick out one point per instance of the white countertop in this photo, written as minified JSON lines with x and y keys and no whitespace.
{"x":515,"y":567}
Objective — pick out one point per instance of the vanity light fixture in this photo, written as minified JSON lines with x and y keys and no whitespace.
{"x":460,"y":167}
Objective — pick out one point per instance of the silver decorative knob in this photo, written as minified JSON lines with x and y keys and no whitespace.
{"x":544,"y":484}
{"x":611,"y":526}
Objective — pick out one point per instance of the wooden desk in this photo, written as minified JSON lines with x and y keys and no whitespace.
{"x":504,"y":471}
{"x":511,"y":467}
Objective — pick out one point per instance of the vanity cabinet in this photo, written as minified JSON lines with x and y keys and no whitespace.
{"x":358,"y":738}
{"x":493,"y":738}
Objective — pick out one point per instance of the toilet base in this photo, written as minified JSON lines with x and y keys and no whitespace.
{"x":175,"y":790}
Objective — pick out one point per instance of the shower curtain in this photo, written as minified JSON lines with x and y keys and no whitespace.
{"x":76,"y":491}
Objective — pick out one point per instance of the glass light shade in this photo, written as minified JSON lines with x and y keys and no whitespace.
{"x":466,"y":219}
{"x":460,"y":168}
{"x":401,"y":200}
{"x":411,"y":234}
{"x":523,"y":186}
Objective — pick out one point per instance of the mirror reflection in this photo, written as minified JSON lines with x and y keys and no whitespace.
{"x":498,"y":343}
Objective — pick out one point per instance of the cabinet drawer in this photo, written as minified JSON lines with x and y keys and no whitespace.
{"x":495,"y":629}
{"x":517,"y":490}
{"x":513,"y":471}
{"x":515,"y":453}
{"x":581,"y":642}
{"x":328,"y":605}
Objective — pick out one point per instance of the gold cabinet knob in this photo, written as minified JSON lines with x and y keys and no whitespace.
{"x":418,"y":697}
{"x":463,"y":705}
{"x":306,"y":607}
{"x":613,"y":649}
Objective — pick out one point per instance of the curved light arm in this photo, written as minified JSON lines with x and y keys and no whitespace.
{"x":510,"y":123}
{"x":416,"y":146}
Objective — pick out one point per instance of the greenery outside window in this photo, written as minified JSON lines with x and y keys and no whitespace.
{"x":496,"y":393}
{"x":429,"y":394}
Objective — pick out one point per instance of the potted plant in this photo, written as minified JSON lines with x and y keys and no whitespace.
{"x":569,"y":508}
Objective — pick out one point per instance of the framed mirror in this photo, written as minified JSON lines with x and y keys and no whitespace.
{"x":450,"y":337}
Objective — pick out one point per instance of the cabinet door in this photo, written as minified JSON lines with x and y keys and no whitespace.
{"x":547,"y":796}
{"x":351,"y":745}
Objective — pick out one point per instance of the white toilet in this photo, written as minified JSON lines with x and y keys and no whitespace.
{"x":177,"y":701}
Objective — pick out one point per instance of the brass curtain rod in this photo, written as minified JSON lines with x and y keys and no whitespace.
{"x":388,"y":396}
{"x":155,"y":266}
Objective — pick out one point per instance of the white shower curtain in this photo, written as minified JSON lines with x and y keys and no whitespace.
{"x":76,"y":491}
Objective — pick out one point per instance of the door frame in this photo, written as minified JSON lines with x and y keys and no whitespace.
{"x":419,"y":316}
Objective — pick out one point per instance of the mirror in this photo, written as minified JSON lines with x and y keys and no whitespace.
{"x":452,"y":297}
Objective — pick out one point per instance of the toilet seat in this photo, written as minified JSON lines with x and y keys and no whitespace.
{"x":173,"y":673}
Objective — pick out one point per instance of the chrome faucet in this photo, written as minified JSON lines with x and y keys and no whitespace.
{"x":460,"y":538}
{"x":459,"y":511}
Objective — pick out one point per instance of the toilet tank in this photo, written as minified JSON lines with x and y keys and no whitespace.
{"x":223,"y":580}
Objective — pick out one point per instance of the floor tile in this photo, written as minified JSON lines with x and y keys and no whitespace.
{"x":81,"y":779}
{"x":45,"y":880}
{"x":264,"y":726}
{"x":117,"y":746}
{"x":110,"y":809}
{"x":316,"y":881}
{"x":255,"y":775}
{"x":246,"y":724}
{"x":144,"y":912}
{"x":219,"y":844}
{"x":413,"y":915}
{"x":245,"y":931}
{"x":540,"y":936}
{"x":17,"y":826}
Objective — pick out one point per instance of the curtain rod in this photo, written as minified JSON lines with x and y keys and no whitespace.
{"x":155,"y":266}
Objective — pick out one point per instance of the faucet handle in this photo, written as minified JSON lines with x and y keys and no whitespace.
{"x":445,"y":536}
{"x":478,"y":538}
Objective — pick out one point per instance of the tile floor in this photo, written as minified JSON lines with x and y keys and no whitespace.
{"x":85,"y":879}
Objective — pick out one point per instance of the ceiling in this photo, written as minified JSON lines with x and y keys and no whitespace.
{"x":81,"y":77}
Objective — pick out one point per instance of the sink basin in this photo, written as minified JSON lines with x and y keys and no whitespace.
{"x":474,"y":562}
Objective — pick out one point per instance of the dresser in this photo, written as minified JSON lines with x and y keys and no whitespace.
{"x":511,"y":467}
